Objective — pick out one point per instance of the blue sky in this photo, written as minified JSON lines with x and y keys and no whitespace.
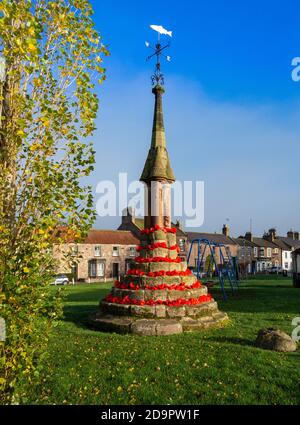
{"x":232,"y":111}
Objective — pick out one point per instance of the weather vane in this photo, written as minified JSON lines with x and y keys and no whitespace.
{"x":158,"y":78}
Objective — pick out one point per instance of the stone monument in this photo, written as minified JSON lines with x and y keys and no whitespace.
{"x":159,"y":295}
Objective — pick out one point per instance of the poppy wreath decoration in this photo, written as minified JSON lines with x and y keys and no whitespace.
{"x":157,"y":227}
{"x":175,"y":287}
{"x":170,"y":303}
{"x":157,"y":260}
{"x":137,"y":272}
{"x":153,"y":246}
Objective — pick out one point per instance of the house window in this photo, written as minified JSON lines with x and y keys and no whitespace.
{"x":286,"y":266}
{"x":101,"y":268}
{"x":115,"y":251}
{"x":92,"y":268}
{"x":132,"y":251}
{"x":96,"y":268}
{"x":285,"y":255}
{"x":255,"y":251}
{"x":97,"y":251}
{"x":262,"y":252}
{"x":269,"y":252}
{"x":275,"y":250}
{"x":181,"y":243}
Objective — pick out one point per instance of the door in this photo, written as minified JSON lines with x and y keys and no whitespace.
{"x":115,"y":270}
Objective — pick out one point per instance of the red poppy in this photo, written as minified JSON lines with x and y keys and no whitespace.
{"x":175,"y":303}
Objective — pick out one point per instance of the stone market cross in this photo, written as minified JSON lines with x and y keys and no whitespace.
{"x":159,"y":295}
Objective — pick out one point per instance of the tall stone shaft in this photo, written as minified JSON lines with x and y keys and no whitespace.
{"x":157,"y":173}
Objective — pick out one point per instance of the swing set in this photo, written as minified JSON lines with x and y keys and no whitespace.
{"x":227,"y":267}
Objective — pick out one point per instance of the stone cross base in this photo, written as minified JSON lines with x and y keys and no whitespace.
{"x":159,"y":295}
{"x":155,"y":327}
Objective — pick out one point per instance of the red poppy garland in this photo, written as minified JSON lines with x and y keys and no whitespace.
{"x":174,"y":287}
{"x":155,"y":245}
{"x":169,"y":303}
{"x":157,"y":227}
{"x":137,"y":272}
{"x":157,"y":260}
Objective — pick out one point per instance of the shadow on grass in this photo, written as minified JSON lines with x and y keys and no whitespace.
{"x":232,"y":340}
{"x":80,"y":305}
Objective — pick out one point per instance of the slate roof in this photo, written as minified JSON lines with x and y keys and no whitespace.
{"x":281,"y":244}
{"x":264,"y":243}
{"x":212,"y":237}
{"x":292,"y":243}
{"x":243,"y":242}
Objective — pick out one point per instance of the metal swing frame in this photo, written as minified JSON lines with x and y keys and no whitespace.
{"x":227,"y":268}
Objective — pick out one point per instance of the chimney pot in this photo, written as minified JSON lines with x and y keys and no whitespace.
{"x":248,"y":236}
{"x":225,"y":230}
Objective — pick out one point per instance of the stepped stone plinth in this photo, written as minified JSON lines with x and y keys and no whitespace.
{"x":159,"y":295}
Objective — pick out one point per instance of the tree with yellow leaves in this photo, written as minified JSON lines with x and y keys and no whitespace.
{"x":50,"y":60}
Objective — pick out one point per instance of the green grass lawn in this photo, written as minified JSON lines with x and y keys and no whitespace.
{"x":211,"y":367}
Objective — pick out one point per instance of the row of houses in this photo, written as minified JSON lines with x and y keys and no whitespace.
{"x":107,"y":254}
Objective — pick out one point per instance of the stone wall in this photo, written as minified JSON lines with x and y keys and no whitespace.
{"x":83,"y":253}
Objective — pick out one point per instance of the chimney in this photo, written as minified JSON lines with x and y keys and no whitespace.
{"x":272,"y":234}
{"x":128,"y":215}
{"x":290,"y":234}
{"x":248,"y":236}
{"x":225,"y":230}
{"x":296,"y":236}
{"x":178,"y":224}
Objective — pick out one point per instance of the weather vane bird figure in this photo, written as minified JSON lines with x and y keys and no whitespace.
{"x":158,"y":78}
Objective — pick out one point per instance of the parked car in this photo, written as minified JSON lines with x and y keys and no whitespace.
{"x":274,"y":270}
{"x":61,"y":279}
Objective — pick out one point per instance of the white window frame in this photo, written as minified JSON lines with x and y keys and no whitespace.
{"x":269,"y":252}
{"x":116,"y":251}
{"x":98,"y":268}
{"x":132,"y":251}
{"x":97,"y":251}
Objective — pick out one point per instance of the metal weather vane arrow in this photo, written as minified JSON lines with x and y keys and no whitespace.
{"x":158,"y":78}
